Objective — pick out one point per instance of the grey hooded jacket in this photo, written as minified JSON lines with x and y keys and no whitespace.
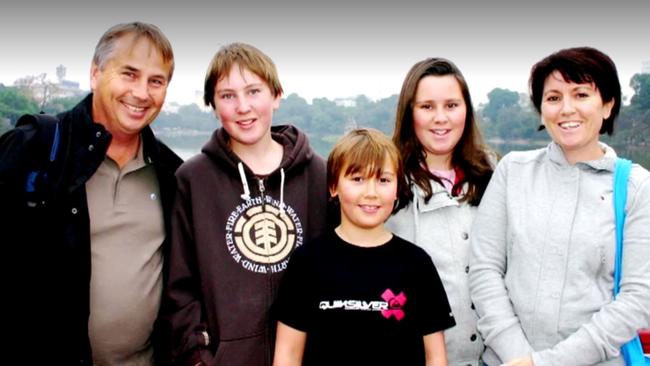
{"x":541,"y":269}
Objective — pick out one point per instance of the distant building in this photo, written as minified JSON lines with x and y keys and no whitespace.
{"x":345,"y":102}
{"x":66,"y":88}
{"x":60,"y":73}
{"x":645,"y":67}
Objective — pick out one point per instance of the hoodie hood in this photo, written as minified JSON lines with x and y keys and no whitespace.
{"x":297,"y":151}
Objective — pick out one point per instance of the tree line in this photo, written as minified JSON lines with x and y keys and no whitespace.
{"x":507,"y":120}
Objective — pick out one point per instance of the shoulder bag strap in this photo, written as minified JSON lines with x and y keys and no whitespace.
{"x":621,"y":173}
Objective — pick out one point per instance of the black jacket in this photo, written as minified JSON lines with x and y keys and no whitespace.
{"x":46,"y":234}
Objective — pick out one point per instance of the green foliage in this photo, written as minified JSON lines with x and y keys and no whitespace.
{"x":37,"y":88}
{"x":379,"y":115}
{"x":640,"y":83}
{"x":631,"y":137}
{"x":294,"y":110}
{"x":515,"y":123}
{"x":325,"y":121}
{"x":188,"y":117}
{"x":509,"y":117}
{"x":499,"y":99}
{"x":327,"y":118}
{"x":14,"y":104}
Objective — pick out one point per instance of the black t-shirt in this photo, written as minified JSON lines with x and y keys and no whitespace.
{"x":363,"y":306}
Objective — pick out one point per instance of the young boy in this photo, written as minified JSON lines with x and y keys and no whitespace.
{"x":361,"y":295}
{"x":253,"y":195}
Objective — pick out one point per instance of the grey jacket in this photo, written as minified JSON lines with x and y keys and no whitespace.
{"x":441,"y":227}
{"x":541,"y":269}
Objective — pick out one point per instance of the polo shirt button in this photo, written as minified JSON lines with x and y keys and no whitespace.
{"x":91,"y":147}
{"x":466,"y":269}
{"x":465,"y":236}
{"x":473,"y":338}
{"x":473,"y":307}
{"x":74,"y":210}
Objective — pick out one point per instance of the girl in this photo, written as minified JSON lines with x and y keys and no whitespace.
{"x":359,"y":290}
{"x":448,"y":168}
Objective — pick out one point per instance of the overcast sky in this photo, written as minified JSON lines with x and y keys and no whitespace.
{"x":333,"y":48}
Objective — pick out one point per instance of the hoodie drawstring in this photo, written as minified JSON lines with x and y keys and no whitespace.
{"x":281,"y":191}
{"x":247,"y":193}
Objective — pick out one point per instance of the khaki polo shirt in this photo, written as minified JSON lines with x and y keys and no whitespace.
{"x":126,"y":235}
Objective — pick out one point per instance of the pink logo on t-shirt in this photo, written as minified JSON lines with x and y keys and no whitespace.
{"x":395,"y":304}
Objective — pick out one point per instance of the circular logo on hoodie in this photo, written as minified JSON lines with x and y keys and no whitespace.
{"x":260,"y":236}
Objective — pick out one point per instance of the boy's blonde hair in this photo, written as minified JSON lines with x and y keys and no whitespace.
{"x":246,"y":57}
{"x":363,"y":150}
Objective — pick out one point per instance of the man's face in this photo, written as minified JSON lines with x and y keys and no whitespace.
{"x":130,"y":89}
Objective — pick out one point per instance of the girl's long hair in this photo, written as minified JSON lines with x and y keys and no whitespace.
{"x":471,"y":155}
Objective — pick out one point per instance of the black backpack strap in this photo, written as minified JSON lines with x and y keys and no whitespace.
{"x":48,"y":128}
{"x":48,"y":139}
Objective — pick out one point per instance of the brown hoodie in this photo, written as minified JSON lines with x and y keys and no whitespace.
{"x":232,"y":235}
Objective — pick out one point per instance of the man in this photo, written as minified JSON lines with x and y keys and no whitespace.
{"x":88,"y":237}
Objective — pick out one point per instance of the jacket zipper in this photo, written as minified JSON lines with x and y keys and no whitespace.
{"x":267,"y":339}
{"x":260,"y":182}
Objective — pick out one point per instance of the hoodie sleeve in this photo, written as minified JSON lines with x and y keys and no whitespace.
{"x":183,"y":308}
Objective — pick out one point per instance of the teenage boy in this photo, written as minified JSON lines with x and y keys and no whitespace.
{"x":253,"y":194}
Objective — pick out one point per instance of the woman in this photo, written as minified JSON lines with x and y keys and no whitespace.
{"x":543,"y":240}
{"x":448,"y":167}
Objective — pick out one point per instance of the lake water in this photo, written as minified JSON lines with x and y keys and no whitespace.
{"x":185,"y":153}
{"x":185,"y":146}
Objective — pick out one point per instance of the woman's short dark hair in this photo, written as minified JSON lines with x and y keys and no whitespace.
{"x":580,"y":65}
